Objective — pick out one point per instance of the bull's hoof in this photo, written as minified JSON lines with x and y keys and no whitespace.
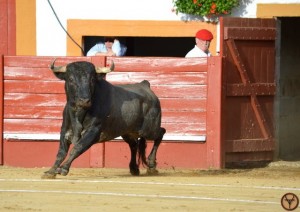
{"x":48,"y":175}
{"x":135,"y":172}
{"x":134,"y":169}
{"x":152,"y":171}
{"x":62,"y":171}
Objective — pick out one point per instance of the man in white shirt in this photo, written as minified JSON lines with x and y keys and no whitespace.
{"x":110,"y":47}
{"x":201,"y":49}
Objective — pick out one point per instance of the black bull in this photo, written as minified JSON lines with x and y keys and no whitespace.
{"x":97,"y":111}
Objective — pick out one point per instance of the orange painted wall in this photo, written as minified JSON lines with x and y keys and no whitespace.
{"x":277,"y":10}
{"x":25,"y":27}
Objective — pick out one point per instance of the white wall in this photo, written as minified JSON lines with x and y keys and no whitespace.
{"x":51,"y":39}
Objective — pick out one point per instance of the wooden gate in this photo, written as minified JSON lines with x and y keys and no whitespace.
{"x":248,"y":50}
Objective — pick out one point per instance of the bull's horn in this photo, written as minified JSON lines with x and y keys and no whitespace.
{"x":57,"y":68}
{"x":105,"y":70}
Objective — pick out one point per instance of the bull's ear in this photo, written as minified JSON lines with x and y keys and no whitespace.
{"x":101,"y":76}
{"x":102,"y":71}
{"x":105,"y":70}
{"x":60,"y":75}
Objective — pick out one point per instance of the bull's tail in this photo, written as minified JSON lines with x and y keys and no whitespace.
{"x":142,"y":145}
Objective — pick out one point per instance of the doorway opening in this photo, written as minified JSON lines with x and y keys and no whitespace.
{"x":288,"y":88}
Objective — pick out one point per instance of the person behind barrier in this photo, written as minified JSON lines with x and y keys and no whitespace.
{"x":203,"y":38}
{"x":110,"y":47}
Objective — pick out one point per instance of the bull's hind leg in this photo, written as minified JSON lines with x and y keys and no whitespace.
{"x":152,"y":156}
{"x":133,"y":144}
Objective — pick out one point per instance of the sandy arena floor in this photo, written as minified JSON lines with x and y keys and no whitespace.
{"x":259,"y":189}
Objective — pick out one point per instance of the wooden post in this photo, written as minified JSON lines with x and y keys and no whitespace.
{"x":98,"y":61}
{"x":215,"y":152}
{"x":8,"y":27}
{"x":1,"y":107}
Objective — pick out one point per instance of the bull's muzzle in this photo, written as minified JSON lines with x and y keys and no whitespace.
{"x":83,"y":103}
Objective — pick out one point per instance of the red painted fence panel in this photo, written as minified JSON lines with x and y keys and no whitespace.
{"x":34,"y":99}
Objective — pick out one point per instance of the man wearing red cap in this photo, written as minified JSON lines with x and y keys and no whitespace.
{"x":201,"y":49}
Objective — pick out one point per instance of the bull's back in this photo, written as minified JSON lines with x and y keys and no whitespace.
{"x":137,"y":109}
{"x":150,"y":128}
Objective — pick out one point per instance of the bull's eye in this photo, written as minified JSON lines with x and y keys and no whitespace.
{"x":71,"y":79}
{"x":92,"y":80}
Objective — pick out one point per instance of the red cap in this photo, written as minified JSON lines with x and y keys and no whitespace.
{"x":204,"y":34}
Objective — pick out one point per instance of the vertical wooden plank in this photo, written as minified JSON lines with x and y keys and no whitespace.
{"x":7,"y":27}
{"x":3,"y":27}
{"x":98,"y":61}
{"x":221,"y":22}
{"x":1,"y":108}
{"x":11,"y":27}
{"x":215,"y":151}
{"x":97,"y":155}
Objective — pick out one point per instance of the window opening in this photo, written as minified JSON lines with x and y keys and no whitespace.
{"x":148,"y":46}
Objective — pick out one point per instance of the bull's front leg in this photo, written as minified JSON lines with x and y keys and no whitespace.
{"x":64,"y":146}
{"x":90,"y":137}
{"x":76,"y":121}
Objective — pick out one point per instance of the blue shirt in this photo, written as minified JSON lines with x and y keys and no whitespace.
{"x":118,"y":48}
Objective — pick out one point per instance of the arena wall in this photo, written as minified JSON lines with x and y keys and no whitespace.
{"x":34,"y":99}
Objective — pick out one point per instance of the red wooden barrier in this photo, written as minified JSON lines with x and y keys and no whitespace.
{"x":215,"y":150}
{"x":34,"y":100}
{"x":1,"y":109}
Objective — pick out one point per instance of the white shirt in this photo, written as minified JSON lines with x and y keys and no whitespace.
{"x":118,"y":48}
{"x":196,"y":52}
